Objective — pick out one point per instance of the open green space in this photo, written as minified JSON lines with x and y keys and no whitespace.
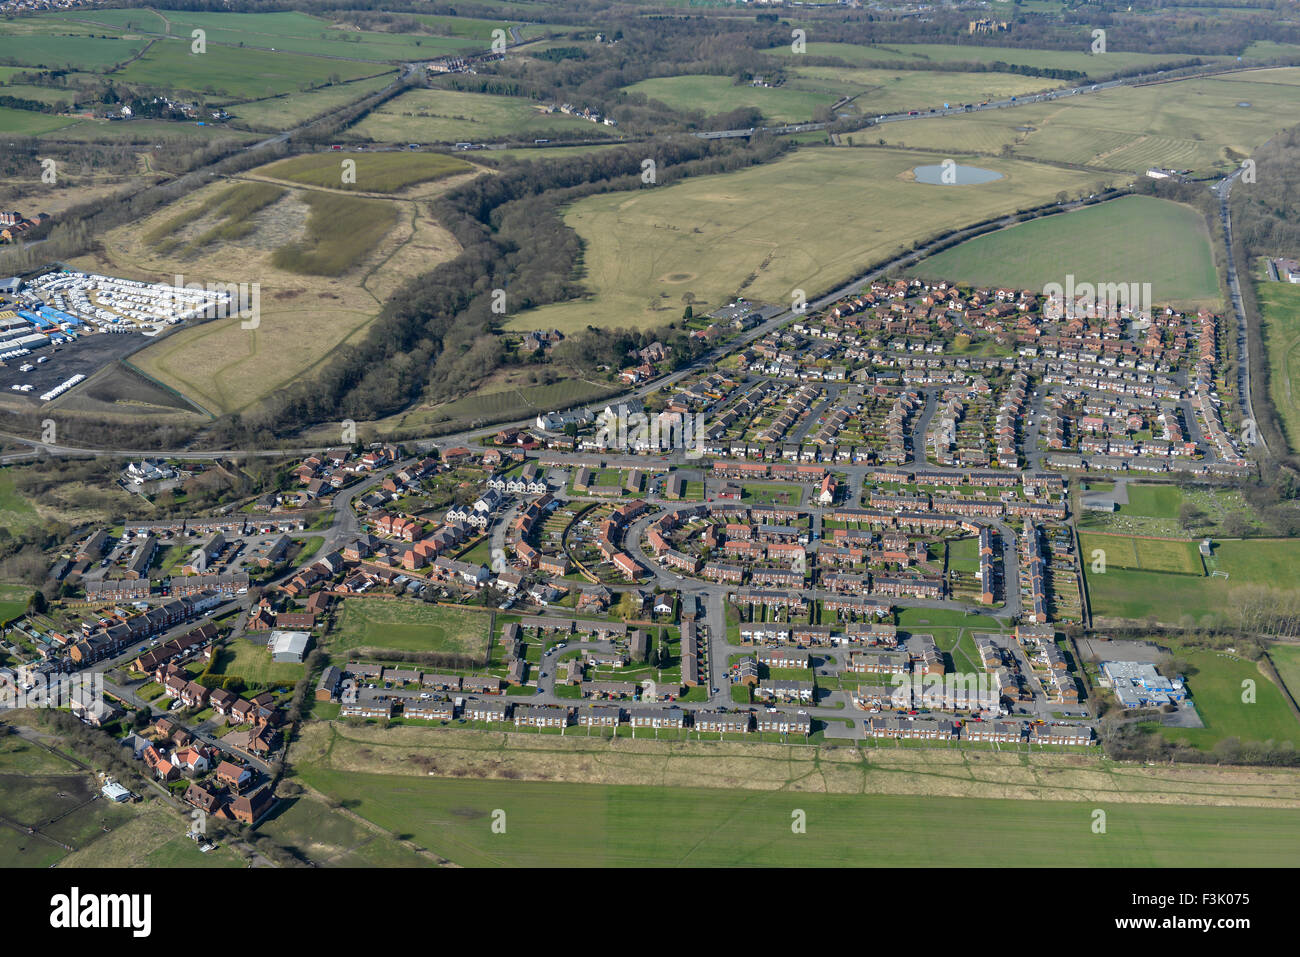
{"x":330,"y":838}
{"x":1286,"y":658}
{"x":722,"y":94}
{"x":252,"y":662}
{"x":1111,"y":242}
{"x":763,"y":232}
{"x":28,"y":123}
{"x":1195,"y":124}
{"x":1221,"y":689}
{"x":922,"y":53}
{"x":291,"y":109}
{"x":374,"y":172}
{"x":409,"y":626}
{"x":877,"y":91}
{"x":234,"y":74}
{"x":551,"y":824}
{"x":1160,"y":555}
{"x":1279,"y":304}
{"x":451,"y":116}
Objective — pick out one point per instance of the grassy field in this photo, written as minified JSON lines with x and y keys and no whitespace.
{"x":54,"y":52}
{"x":1133,"y":594}
{"x":919,"y":53}
{"x":253,"y":663}
{"x":233,"y":212}
{"x":450,"y":116}
{"x":1286,"y":658}
{"x":721,"y":94}
{"x":1108,"y":243}
{"x":764,"y":232}
{"x":333,"y":838}
{"x":230,"y":73}
{"x":601,"y":826}
{"x":375,"y":172}
{"x":1279,"y":304}
{"x":16,"y":512}
{"x":1191,"y":124}
{"x":27,"y":123}
{"x":409,"y":626}
{"x":888,"y":91}
{"x":1217,"y":690}
{"x":1160,"y":555}
{"x":291,"y":109}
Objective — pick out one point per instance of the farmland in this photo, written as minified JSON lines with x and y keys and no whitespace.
{"x":713,"y":238}
{"x":922,"y":53}
{"x":450,"y":116}
{"x":291,"y":109}
{"x":1280,"y":308}
{"x":409,"y":626}
{"x":731,"y":802}
{"x":886,"y":91}
{"x":721,"y":94}
{"x":1109,"y":242}
{"x":1125,"y":129}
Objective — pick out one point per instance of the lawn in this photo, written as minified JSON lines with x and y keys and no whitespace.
{"x":451,"y":116}
{"x":1279,"y":304}
{"x":1138,"y":595}
{"x":253,"y":663}
{"x":721,"y":94}
{"x":374,"y":172}
{"x":1107,"y":243}
{"x":553,"y":824}
{"x":1217,"y":690}
{"x":1158,"y":555}
{"x":764,"y":231}
{"x":409,"y":626}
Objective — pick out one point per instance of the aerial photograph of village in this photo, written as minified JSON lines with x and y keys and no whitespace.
{"x":650,"y":433}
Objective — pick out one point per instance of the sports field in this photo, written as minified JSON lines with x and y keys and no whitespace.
{"x":450,"y":116}
{"x":595,"y":826}
{"x":1161,"y":555}
{"x":720,"y":94}
{"x":1138,"y":594}
{"x":1279,"y":304}
{"x":368,"y":172}
{"x":809,"y":221}
{"x":1218,"y":688}
{"x":1190,"y":124}
{"x":409,"y":626}
{"x":1106,"y":243}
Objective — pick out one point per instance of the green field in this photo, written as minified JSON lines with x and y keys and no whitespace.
{"x":1109,"y":242}
{"x":1279,"y":304}
{"x":292,"y":109}
{"x":27,"y":123}
{"x":1286,"y":658}
{"x":16,"y":511}
{"x":921,"y":53}
{"x":409,"y":626}
{"x":1136,"y":595}
{"x":1190,"y":124}
{"x":1158,"y":555}
{"x":253,"y":663}
{"x":1217,"y":690}
{"x":228,"y":73}
{"x":889,"y":91}
{"x":721,"y":94}
{"x":550,"y":824}
{"x":332,"y":838}
{"x":375,"y":172}
{"x":54,"y":52}
{"x":450,"y":116}
{"x":809,"y":221}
